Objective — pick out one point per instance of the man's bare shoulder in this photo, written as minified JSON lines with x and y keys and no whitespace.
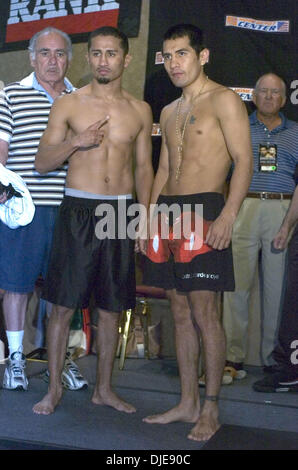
{"x":224,"y":96}
{"x":65,"y":99}
{"x":141,"y":107}
{"x":168,"y":109}
{"x":227,"y":106}
{"x":139,"y":104}
{"x":83,"y":91}
{"x":71,"y":100}
{"x":78,"y":94}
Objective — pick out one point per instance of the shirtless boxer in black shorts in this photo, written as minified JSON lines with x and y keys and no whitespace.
{"x":92,"y":261}
{"x":87,"y":128}
{"x":202,"y":133}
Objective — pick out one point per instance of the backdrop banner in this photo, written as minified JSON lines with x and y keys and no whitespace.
{"x":21,"y":19}
{"x":246,"y":39}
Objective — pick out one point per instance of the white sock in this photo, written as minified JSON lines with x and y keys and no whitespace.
{"x":15,"y":341}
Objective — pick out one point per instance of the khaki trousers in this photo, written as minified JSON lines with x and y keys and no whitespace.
{"x":257,"y":224}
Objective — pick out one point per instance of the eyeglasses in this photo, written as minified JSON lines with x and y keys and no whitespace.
{"x":273,"y":91}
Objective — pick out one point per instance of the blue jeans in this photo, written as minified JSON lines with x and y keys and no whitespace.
{"x":24,"y":252}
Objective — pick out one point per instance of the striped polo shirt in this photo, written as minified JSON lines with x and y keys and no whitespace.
{"x":285,"y":137}
{"x":24,"y":111}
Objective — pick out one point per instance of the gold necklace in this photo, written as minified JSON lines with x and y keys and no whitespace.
{"x":179,"y":133}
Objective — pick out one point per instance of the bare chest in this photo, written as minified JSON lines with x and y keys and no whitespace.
{"x":122,"y":127}
{"x":190,"y":128}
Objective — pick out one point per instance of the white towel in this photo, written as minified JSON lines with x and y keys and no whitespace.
{"x":17,"y":211}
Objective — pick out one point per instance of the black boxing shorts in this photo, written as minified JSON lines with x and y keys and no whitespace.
{"x":83,"y":264}
{"x":177,"y":256}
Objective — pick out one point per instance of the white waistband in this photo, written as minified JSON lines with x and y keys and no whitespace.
{"x":84,"y":194}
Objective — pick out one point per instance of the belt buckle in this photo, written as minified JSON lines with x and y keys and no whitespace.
{"x":263,"y":195}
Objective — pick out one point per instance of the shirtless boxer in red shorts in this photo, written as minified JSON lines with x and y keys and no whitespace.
{"x":203,"y":132}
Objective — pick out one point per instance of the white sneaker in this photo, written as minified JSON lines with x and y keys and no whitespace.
{"x":14,"y":375}
{"x":72,"y":378}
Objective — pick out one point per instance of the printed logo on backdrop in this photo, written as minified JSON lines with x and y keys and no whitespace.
{"x":244,"y":93}
{"x":159,"y":58}
{"x":23,"y":18}
{"x":294,"y":355}
{"x":294,"y":94}
{"x":276,"y":26}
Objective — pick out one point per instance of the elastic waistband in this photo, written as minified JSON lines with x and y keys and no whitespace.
{"x":190,"y":196}
{"x":263,"y":195}
{"x":86,"y":195}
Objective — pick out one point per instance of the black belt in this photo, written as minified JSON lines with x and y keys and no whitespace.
{"x":263,"y":195}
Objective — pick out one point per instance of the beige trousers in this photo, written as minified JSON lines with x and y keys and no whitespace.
{"x":256,"y":225}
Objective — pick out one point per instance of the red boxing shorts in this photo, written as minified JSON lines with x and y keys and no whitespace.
{"x":177,"y":256}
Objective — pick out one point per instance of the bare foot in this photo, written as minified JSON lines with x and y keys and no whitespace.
{"x":206,"y":426}
{"x":48,"y":404}
{"x":178,"y":413}
{"x":111,"y":399}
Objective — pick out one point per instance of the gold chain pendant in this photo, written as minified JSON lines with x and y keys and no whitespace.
{"x":179,"y":133}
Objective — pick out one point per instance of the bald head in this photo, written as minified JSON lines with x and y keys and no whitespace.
{"x":269,"y":95}
{"x":272,"y":76}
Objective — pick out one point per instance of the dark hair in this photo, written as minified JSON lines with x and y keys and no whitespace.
{"x":110,"y":31}
{"x":194,"y":34}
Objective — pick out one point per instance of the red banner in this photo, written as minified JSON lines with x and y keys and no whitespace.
{"x":71,"y":24}
{"x":21,"y":19}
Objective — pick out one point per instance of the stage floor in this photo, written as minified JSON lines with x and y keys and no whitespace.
{"x":250,"y":420}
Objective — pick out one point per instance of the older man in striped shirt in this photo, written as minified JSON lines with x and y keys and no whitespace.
{"x":24,"y":110}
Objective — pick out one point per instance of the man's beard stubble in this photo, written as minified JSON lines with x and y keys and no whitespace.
{"x":103,"y":80}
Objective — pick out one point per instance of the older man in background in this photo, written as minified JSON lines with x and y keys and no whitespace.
{"x":24,"y":251}
{"x":258,"y":221}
